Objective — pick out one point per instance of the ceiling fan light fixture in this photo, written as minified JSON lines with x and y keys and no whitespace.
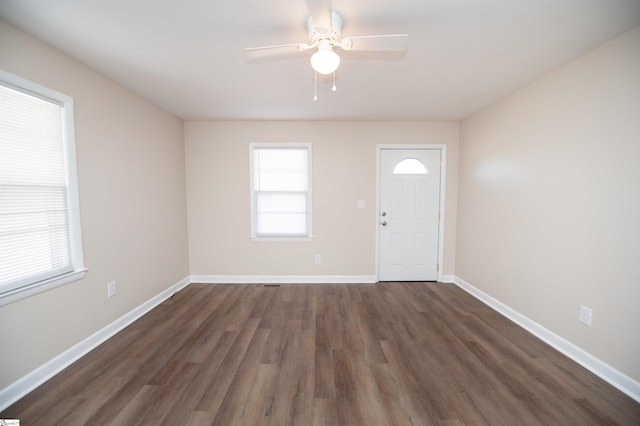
{"x":325,"y":61}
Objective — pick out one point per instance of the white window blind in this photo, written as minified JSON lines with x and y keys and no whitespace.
{"x":281,"y":186}
{"x":36,"y":239}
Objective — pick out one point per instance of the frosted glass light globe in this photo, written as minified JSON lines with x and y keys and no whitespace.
{"x":325,"y":60}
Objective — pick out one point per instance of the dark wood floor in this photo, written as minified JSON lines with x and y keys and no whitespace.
{"x":388,"y":354}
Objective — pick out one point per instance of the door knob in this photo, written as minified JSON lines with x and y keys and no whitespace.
{"x":383,"y":214}
{"x":383,"y":223}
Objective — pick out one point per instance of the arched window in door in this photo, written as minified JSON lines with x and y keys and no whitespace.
{"x":410,"y":166}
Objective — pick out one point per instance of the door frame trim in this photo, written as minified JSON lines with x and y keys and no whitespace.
{"x":443,"y":186}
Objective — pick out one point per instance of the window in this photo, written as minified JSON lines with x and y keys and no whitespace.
{"x":410,"y":166}
{"x":40,"y":243}
{"x":280,"y":190}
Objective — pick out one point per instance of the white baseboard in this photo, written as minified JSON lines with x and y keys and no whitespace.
{"x":449,"y":279}
{"x":603,"y":370}
{"x":32,"y":380}
{"x":284,"y":279}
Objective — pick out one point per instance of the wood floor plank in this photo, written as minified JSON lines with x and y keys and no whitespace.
{"x":324,"y":412}
{"x":254,"y":407}
{"x":233,"y":406}
{"x":221,"y":380}
{"x":87,"y":407}
{"x":324,"y":385}
{"x":199,"y":418}
{"x":293,"y":371}
{"x":349,"y":413}
{"x":393,"y":397}
{"x":138,"y":404}
{"x":421,"y":402}
{"x":162,"y":403}
{"x":186,"y":403}
{"x":385,"y":354}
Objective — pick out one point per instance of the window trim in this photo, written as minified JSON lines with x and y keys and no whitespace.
{"x":78,"y":271}
{"x":252,"y":193}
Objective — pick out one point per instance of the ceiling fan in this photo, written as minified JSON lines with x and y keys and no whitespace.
{"x":324,"y":27}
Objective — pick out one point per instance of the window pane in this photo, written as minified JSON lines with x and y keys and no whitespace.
{"x":410,"y":166}
{"x":282,"y":158}
{"x":282,"y":181}
{"x":31,"y":140}
{"x":271,"y":202}
{"x":282,"y":224}
{"x":281,"y":170}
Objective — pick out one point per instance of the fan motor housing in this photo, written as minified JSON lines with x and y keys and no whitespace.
{"x":333,"y":33}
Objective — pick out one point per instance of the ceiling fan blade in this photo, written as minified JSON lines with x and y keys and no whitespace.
{"x":320,"y":12}
{"x":281,"y":49}
{"x":390,"y":42}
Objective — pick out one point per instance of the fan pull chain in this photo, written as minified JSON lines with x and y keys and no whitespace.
{"x":315,"y":86}
{"x":333,"y":88}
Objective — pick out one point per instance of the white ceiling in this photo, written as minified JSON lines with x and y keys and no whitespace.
{"x":186,"y":55}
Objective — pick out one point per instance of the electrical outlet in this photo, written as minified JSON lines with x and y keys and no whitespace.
{"x":111,"y":289}
{"x":318,"y":259}
{"x":585,"y":315}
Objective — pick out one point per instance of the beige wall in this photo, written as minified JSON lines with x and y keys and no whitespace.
{"x":549,"y":201}
{"x":132,"y":200}
{"x":344,"y":171}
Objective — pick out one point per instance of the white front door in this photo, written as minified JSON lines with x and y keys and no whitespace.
{"x":409,"y":214}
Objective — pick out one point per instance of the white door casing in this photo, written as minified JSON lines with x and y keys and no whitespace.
{"x":408,"y":217}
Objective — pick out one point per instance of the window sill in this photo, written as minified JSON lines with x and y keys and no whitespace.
{"x":16,"y":294}
{"x":281,"y":239}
